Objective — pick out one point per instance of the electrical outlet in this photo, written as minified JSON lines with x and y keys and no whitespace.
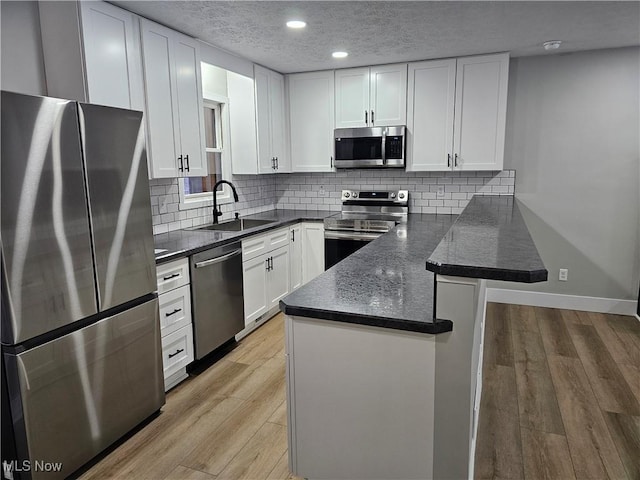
{"x":564,"y":274}
{"x":440,"y":191}
{"x":322,"y":192}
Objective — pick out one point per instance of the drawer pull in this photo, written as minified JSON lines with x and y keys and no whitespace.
{"x":171,"y":355}
{"x":173,"y":313}
{"x":169,"y":277}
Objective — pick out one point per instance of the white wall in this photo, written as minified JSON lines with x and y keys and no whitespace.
{"x":573,"y":137}
{"x":22,"y":61}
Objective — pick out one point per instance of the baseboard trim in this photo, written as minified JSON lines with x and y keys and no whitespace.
{"x":569,"y":302}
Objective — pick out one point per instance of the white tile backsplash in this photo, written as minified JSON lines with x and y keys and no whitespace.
{"x":321,"y":191}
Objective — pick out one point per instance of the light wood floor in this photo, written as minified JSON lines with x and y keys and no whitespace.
{"x":561,"y":395}
{"x":561,"y":399}
{"x":228,"y":422}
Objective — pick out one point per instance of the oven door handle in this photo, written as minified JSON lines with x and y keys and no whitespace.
{"x":358,"y":236}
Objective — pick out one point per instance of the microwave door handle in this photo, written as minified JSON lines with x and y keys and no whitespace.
{"x":384,"y":144}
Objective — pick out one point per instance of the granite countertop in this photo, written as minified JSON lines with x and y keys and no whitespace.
{"x":182,"y":243}
{"x":489,"y":240}
{"x":383,"y":284}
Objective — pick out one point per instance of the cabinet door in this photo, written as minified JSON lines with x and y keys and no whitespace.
{"x":311,"y":112}
{"x":263,"y":120}
{"x":312,"y":250}
{"x":278,"y":124}
{"x":161,"y":103}
{"x":113,"y":59}
{"x":352,"y":98}
{"x":242,"y":123}
{"x":254,"y":283}
{"x":388,"y":101}
{"x":432,"y":87}
{"x":480,"y":112}
{"x":278,"y":277}
{"x":190,"y":116}
{"x":295,"y":256}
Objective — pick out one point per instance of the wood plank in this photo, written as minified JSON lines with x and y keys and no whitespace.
{"x":546,"y":456}
{"x":625,"y":430}
{"x":592,"y":449}
{"x":607,"y":382}
{"x":239,"y":427}
{"x":527,"y":346}
{"x":619,"y":345}
{"x":281,"y":470}
{"x":523,"y":317}
{"x":184,"y":473}
{"x":498,"y":449}
{"x":280,"y":415}
{"x":632,"y":376}
{"x":555,"y":336}
{"x":498,"y":336}
{"x":260,"y":454}
{"x":537,"y":403}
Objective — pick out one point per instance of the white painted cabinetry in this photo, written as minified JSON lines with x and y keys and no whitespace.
{"x":295,"y":255}
{"x":242,"y":123}
{"x":457,"y":113}
{"x":371,"y":96}
{"x":271,"y":122}
{"x":311,"y":114}
{"x":266,"y":272}
{"x":176,"y":329}
{"x":175,"y":123}
{"x":92,"y":53}
{"x":312,"y":250}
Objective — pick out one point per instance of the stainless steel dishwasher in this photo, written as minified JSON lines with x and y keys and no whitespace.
{"x":216,"y":290}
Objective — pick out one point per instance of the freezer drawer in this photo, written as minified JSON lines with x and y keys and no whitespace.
{"x":81,"y":392}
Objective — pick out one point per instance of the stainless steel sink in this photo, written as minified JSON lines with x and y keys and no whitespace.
{"x":235,"y":225}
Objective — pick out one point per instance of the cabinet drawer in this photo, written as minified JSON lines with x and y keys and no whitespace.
{"x":264,"y":243}
{"x":173,"y":275}
{"x":175,"y":309}
{"x":177,"y":350}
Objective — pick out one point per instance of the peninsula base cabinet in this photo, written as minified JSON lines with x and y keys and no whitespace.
{"x":456,"y":113}
{"x":335,"y":426}
{"x":176,"y":329}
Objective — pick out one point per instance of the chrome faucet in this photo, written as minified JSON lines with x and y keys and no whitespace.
{"x":216,"y":212}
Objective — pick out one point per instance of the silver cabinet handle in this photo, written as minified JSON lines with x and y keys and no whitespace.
{"x":363,"y":237}
{"x":219,"y":259}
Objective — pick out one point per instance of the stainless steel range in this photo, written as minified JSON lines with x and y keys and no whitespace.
{"x":365,"y":216}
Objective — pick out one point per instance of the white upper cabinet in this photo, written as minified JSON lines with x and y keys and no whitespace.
{"x":242,"y":123}
{"x":92,"y":53}
{"x":175,"y":123}
{"x":271,"y":122}
{"x":311,"y":114}
{"x":457,"y":113}
{"x":480,"y":112}
{"x":371,"y":96}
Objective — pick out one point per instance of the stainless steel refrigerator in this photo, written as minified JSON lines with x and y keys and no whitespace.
{"x":81,"y":348}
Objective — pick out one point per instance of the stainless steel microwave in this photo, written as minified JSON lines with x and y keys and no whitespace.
{"x":370,"y":147}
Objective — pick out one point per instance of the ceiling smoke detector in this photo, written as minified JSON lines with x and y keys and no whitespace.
{"x":552,"y":44}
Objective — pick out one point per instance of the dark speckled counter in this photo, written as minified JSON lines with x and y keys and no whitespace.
{"x":489,"y":240}
{"x":383,"y":284}
{"x":182,"y":243}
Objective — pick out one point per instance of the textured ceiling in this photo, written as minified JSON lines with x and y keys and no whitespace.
{"x":392,"y":31}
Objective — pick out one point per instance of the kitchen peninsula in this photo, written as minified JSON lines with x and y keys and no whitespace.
{"x":384,"y":357}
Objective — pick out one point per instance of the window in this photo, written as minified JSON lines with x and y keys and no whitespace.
{"x":197,"y":191}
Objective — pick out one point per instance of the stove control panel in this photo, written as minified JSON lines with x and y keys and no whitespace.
{"x":392,"y":197}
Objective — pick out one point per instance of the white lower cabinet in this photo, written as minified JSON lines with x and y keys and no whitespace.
{"x":312,"y":250}
{"x":278,"y":276}
{"x":176,"y":329}
{"x":254,"y":281}
{"x":295,"y":255}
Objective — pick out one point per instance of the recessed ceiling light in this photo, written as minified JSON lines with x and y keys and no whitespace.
{"x":552,"y":44}
{"x":339,"y":54}
{"x":296,"y":24}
